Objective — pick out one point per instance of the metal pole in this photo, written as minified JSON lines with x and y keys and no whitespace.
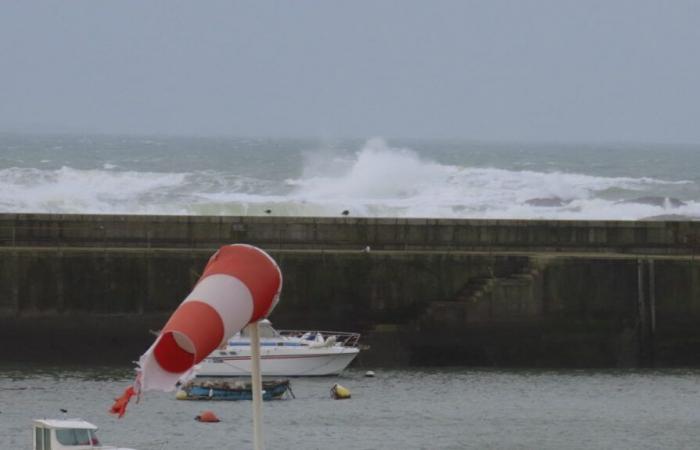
{"x":652,"y":296}
{"x":641,"y":306}
{"x":652,"y":313}
{"x":640,"y":292}
{"x":256,"y":385}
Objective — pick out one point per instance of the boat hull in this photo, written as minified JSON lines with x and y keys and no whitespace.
{"x":200,"y":389}
{"x":279,"y":363}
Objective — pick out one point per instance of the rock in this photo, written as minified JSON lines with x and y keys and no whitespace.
{"x":671,"y":218}
{"x":547,"y":202}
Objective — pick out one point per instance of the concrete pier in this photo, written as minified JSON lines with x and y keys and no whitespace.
{"x":453,"y":292}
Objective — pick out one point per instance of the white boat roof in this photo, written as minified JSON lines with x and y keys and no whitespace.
{"x":65,"y":423}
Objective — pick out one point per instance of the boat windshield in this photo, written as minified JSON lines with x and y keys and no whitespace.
{"x":76,"y":436}
{"x":265,"y":329}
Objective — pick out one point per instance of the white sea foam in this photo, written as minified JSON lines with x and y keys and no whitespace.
{"x":375,"y":181}
{"x":396,"y":182}
{"x":85,"y":191}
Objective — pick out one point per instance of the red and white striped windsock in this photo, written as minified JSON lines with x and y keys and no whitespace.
{"x":240,"y":285}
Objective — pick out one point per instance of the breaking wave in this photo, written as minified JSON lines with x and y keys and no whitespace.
{"x":375,"y":181}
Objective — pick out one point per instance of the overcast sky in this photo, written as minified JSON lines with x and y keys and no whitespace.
{"x":530,"y":70}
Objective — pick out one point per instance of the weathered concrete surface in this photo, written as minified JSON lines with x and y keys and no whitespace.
{"x":655,"y":237}
{"x":415,"y":307}
{"x":573,"y":311}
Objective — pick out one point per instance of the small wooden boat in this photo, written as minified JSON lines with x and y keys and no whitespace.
{"x":232,"y":389}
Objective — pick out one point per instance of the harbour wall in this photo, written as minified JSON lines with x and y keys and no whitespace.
{"x":481,"y":293}
{"x":307,"y":233}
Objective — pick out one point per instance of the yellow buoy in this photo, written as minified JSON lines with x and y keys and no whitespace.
{"x":181,"y":395}
{"x":339,"y":392}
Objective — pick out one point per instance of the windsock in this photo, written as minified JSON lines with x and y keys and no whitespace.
{"x":240,"y":285}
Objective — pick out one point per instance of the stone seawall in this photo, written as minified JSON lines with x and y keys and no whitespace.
{"x":95,"y":297}
{"x":349,"y":233}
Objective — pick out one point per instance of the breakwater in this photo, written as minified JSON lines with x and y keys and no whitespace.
{"x":307,"y":233}
{"x":458,"y":292}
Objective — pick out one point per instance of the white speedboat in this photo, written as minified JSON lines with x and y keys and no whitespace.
{"x":67,"y":434}
{"x":286,"y":353}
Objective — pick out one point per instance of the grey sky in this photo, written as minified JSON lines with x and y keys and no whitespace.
{"x":563,"y":70}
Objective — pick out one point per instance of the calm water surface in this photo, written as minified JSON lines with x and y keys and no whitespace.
{"x":398,"y":409}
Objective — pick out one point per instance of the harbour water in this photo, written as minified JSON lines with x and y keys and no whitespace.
{"x":447,"y":408}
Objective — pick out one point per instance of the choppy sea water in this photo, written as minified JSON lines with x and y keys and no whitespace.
{"x":398,"y":409}
{"x":369,"y":178}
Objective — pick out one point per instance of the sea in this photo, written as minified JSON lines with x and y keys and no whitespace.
{"x":420,"y":408}
{"x":411,"y":408}
{"x":373,"y":177}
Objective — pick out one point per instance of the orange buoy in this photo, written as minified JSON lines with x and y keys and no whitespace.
{"x":207,"y":416}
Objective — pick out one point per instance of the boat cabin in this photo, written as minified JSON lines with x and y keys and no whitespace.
{"x":65,"y":434}
{"x":270,"y":336}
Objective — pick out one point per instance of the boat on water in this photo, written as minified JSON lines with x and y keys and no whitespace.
{"x":284,"y":353}
{"x":232,"y":389}
{"x":67,"y":434}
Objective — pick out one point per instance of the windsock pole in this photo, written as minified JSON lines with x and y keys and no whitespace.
{"x":240,"y":285}
{"x":256,"y":385}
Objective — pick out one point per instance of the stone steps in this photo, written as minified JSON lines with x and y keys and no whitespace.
{"x":484,"y":299}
